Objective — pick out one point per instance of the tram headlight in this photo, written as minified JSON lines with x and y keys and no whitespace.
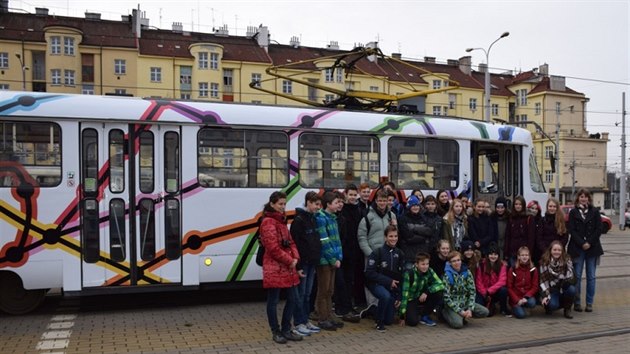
{"x":207,"y":261}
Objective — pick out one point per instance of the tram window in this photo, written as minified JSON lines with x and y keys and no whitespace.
{"x":116,"y":161}
{"x":147,"y":162}
{"x":534,"y":176}
{"x":509,"y":176}
{"x":487,"y":171}
{"x":242,"y":158}
{"x":90,"y":230}
{"x":146,"y":208}
{"x":30,"y":150}
{"x":423,"y":163}
{"x":172,"y":229}
{"x":333,"y":161}
{"x":117,"y":230}
{"x":89,"y":157}
{"x":171,"y":162}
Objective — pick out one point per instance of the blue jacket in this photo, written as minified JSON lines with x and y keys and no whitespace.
{"x":329,"y":237}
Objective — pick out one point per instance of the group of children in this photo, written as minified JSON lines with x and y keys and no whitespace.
{"x":423,"y":261}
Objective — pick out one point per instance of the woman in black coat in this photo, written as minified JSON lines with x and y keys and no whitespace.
{"x":585,"y":227}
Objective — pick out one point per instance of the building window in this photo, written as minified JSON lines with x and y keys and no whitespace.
{"x":203,"y":89}
{"x":68,"y":45}
{"x":329,"y":98}
{"x":472,"y":104}
{"x":184,"y":96}
{"x":203,"y":60}
{"x":120,"y":66}
{"x":120,"y":92}
{"x":287,"y":87}
{"x":256,"y":102}
{"x":521,"y":97}
{"x":548,"y":176}
{"x":495,"y":109}
{"x":557,"y":107}
{"x":339,"y":75}
{"x":87,"y":90}
{"x":374,"y":88}
{"x":328,"y":75}
{"x":437,"y":84}
{"x":4,"y":60}
{"x":548,"y":151}
{"x":437,"y":110}
{"x":55,"y":76}
{"x":156,"y":74}
{"x":537,"y":108}
{"x":214,"y":61}
{"x":4,"y":87}
{"x":227,"y":80}
{"x":214,"y":90}
{"x":256,"y":78}
{"x":55,"y":45}
{"x":68,"y":77}
{"x":452,"y":101}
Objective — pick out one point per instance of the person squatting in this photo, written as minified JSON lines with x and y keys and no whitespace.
{"x":423,"y":259}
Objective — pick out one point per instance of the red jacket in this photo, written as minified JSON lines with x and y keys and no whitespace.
{"x":489,"y":284}
{"x":277,"y":270}
{"x":522,"y":282}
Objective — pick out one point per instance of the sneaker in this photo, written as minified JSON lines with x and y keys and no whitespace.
{"x":336,"y":323}
{"x":506,"y":314}
{"x":427,"y":321}
{"x":290,"y":335}
{"x":302,"y":330}
{"x":365,"y":311}
{"x":311,"y":327}
{"x":589,"y":308}
{"x":352,"y":318}
{"x":278,"y":338}
{"x":380,"y":327}
{"x":577,"y":308}
{"x":327,"y":326}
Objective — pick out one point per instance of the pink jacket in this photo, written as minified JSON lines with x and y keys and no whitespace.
{"x":488,"y":284}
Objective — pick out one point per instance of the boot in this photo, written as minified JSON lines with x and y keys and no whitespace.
{"x":567,"y":304}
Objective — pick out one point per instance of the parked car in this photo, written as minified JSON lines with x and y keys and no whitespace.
{"x":606,"y":222}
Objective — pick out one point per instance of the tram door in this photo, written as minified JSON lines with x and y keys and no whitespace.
{"x":496,"y":171}
{"x":130,"y":204}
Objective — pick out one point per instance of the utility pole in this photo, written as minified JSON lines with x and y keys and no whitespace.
{"x":622,"y":182}
{"x":573,"y":177}
{"x":557,"y":152}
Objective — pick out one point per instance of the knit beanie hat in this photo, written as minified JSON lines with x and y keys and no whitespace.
{"x":493,"y":248}
{"x":466,"y":245}
{"x":413,"y":200}
{"x":500,"y":201}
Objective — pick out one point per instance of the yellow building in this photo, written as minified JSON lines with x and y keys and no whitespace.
{"x":40,"y":52}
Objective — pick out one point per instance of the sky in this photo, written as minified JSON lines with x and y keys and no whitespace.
{"x":586,"y":41}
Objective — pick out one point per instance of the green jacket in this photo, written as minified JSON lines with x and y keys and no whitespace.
{"x":415,"y":284}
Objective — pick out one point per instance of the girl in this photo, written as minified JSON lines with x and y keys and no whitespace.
{"x":383,"y":274}
{"x":499,"y":219}
{"x":491,"y":281}
{"x":470,"y":256}
{"x":553,"y":227}
{"x":439,"y":257}
{"x":585,"y":227}
{"x":556,"y":279}
{"x":418,"y":193}
{"x":459,"y":293}
{"x":455,"y":224}
{"x":522,"y":284}
{"x":279,"y":267}
{"x":443,"y":204}
{"x":518,"y":232}
{"x":534,"y":214}
{"x":481,"y":230}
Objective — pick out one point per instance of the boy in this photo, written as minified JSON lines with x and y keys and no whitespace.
{"x":422,"y":292}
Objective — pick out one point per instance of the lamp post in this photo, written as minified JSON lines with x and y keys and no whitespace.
{"x":24,"y":68}
{"x":487,"y":75}
{"x":558,"y":111}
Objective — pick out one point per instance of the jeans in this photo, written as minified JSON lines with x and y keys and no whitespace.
{"x":578,"y":266}
{"x":273,"y":296}
{"x":385,"y":309}
{"x":500,"y":297}
{"x":519,"y":311}
{"x":455,"y":320}
{"x":567,"y":292}
{"x":303,"y":306}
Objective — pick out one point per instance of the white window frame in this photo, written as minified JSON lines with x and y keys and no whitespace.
{"x":548,"y":151}
{"x":287,"y":87}
{"x":87,"y":90}
{"x":558,"y":107}
{"x":155,"y":74}
{"x":4,"y":87}
{"x":203,"y":60}
{"x":69,"y":78}
{"x":329,"y":98}
{"x":4,"y":60}
{"x":214,"y":90}
{"x":256,"y":79}
{"x":214,"y":61}
{"x":374,"y":88}
{"x":548,"y":176}
{"x":55,"y":45}
{"x":121,"y":92}
{"x":203,"y":89}
{"x":339,"y":75}
{"x":437,"y":84}
{"x":495,"y":109}
{"x":437,"y":110}
{"x":55,"y":76}
{"x":537,"y":108}
{"x":472,"y":104}
{"x":120,"y":67}
{"x":68,"y":46}
{"x":328,"y":75}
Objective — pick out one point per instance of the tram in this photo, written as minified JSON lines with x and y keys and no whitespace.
{"x":114,"y":194}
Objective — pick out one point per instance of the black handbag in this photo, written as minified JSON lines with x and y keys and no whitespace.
{"x":260,"y":254}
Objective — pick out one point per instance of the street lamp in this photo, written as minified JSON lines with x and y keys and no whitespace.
{"x":24,"y":68}
{"x":487,"y":76}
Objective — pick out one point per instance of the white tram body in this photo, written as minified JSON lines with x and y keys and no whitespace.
{"x":115,"y":193}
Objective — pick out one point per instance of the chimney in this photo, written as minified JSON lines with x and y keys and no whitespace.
{"x":41,"y":11}
{"x":135,"y":22}
{"x":452,"y":62}
{"x":557,"y":83}
{"x":397,"y":56}
{"x":222,"y":31}
{"x":295,"y":41}
{"x":178,"y":27}
{"x":333,"y":45}
{"x":93,"y":16}
{"x":429,"y":59}
{"x":263,"y":37}
{"x":544,"y":69}
{"x":125,"y":18}
{"x":144,"y":20}
{"x":251,"y":31}
{"x":464,"y":65}
{"x":482,"y":67}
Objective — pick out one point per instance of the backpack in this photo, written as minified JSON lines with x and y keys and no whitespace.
{"x":260,"y":253}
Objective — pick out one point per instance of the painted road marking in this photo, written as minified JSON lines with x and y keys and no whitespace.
{"x":56,"y":334}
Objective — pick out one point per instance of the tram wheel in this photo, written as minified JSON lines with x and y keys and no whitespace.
{"x":16,"y":300}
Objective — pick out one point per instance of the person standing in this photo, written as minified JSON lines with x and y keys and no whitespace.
{"x":500,"y":217}
{"x":279,"y":267}
{"x":456,"y":224}
{"x":518,"y":232}
{"x":481,"y":229}
{"x":553,"y":227}
{"x":585,"y":227}
{"x":415,"y":235}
